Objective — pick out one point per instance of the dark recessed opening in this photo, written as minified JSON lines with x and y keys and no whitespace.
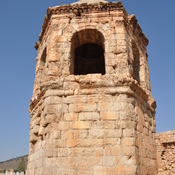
{"x":89,"y":59}
{"x":136,"y":63}
{"x":43,"y":57}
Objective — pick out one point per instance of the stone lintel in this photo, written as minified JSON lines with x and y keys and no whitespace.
{"x":78,"y":9}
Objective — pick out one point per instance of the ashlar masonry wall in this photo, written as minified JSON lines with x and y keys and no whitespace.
{"x":97,"y":123}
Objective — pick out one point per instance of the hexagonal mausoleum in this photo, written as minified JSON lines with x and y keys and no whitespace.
{"x":92,"y":112}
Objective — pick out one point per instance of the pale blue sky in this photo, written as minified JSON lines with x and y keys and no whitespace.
{"x":20,"y":25}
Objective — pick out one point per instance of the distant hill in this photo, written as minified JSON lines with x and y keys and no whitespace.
{"x":12,"y":163}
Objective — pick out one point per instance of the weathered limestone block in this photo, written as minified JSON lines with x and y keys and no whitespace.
{"x":63,"y":125}
{"x":113,"y":150}
{"x":75,"y":98}
{"x":80,"y":107}
{"x":81,"y":134}
{"x":105,"y":133}
{"x":89,"y":116}
{"x":52,"y":100}
{"x":129,"y":133}
{"x":100,"y":170}
{"x":108,"y":115}
{"x":88,"y":152}
{"x":71,"y":116}
{"x":49,"y":119}
{"x":105,"y":125}
{"x":81,"y":125}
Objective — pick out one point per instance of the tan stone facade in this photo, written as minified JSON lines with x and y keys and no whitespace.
{"x":92,"y":112}
{"x":165,"y":143}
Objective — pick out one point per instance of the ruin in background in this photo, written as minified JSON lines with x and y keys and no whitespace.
{"x":92,"y":111}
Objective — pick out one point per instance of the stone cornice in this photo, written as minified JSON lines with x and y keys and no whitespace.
{"x":79,"y":9}
{"x":123,"y":84}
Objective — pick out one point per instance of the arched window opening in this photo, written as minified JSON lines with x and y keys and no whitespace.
{"x":136,"y":63}
{"x":87,"y":53}
{"x":89,"y":59}
{"x":43,"y":57}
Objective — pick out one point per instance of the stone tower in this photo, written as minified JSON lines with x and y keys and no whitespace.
{"x":92,"y":112}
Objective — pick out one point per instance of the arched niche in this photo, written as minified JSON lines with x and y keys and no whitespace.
{"x":87,"y":53}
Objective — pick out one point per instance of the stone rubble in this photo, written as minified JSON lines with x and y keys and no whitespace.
{"x":165,"y":143}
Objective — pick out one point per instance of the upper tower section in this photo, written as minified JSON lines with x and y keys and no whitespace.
{"x":91,"y":37}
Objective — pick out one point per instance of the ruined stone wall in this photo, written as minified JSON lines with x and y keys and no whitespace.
{"x":165,"y":143}
{"x":91,"y":124}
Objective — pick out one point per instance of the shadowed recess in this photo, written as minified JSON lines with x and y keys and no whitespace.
{"x":89,"y":59}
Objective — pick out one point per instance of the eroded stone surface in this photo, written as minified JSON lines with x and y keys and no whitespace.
{"x":165,"y":143}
